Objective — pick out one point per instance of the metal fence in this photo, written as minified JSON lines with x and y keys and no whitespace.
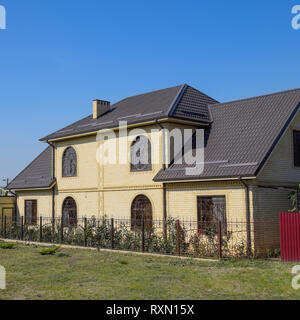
{"x":171,"y":237}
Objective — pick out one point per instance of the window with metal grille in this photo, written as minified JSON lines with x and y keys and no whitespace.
{"x":296,"y":137}
{"x":140,"y":154}
{"x":69,"y":212}
{"x":211,"y":210}
{"x":31,"y":212}
{"x":141,"y":210}
{"x":69,"y":163}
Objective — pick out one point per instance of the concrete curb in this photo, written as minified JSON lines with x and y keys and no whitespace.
{"x":44,"y":244}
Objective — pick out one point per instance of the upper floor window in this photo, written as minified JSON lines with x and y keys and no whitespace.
{"x":296,"y":137}
{"x":69,"y":163}
{"x":140,"y":154}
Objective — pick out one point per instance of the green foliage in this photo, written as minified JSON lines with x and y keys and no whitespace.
{"x":293,"y":200}
{"x":49,"y":251}
{"x":7,"y":245}
{"x":98,"y":232}
{"x":62,"y":255}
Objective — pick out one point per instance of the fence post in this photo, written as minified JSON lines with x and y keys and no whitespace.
{"x":41,"y":229}
{"x":85,"y":232}
{"x":2,"y":224}
{"x":112,"y":233}
{"x":62,"y":230}
{"x":178,"y":237}
{"x":4,"y":227}
{"x":53,"y":229}
{"x":220,"y":253}
{"x":143,"y":234}
{"x":22,"y":228}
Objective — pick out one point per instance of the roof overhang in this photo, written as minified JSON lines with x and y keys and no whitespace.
{"x":34,"y":188}
{"x":206,"y":179}
{"x":130,"y":126}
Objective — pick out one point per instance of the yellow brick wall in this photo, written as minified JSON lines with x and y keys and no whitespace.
{"x":118,"y":203}
{"x":44,"y":202}
{"x":87,"y":166}
{"x":7,"y":205}
{"x":182,"y":199}
{"x":280,"y":165}
{"x":268,"y":203}
{"x":86,"y":202}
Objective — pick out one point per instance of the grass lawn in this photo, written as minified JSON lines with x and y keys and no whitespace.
{"x":100,"y":275}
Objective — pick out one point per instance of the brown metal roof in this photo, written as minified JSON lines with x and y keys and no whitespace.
{"x":239,"y":140}
{"x":241,"y":137}
{"x":38,"y":174}
{"x":183,"y":102}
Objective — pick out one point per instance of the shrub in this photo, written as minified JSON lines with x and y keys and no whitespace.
{"x":7,"y":245}
{"x":49,"y":251}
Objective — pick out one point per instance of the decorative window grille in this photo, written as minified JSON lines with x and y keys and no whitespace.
{"x":69,"y":163}
{"x":141,"y":209}
{"x":211,"y":210}
{"x":140,"y":154}
{"x":69,"y":212}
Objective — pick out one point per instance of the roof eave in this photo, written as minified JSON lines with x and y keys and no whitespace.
{"x":132,"y":125}
{"x":49,"y":187}
{"x":191,"y":179}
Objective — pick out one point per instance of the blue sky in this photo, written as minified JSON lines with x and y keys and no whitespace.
{"x":57,"y":56}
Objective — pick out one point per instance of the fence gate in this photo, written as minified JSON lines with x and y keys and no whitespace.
{"x":290,"y":236}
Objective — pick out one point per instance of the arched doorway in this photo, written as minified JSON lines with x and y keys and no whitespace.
{"x":141,"y":208}
{"x":69,"y":212}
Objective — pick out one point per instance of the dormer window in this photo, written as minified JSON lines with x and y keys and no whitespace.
{"x":69,"y":163}
{"x":140,"y":155}
{"x":296,"y":137}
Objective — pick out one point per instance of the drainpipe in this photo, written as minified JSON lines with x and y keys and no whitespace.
{"x":53,"y":177}
{"x":248,"y":218}
{"x":164,"y":185}
{"x":163,"y":145}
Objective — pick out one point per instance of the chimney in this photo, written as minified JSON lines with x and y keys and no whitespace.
{"x":100,"y":107}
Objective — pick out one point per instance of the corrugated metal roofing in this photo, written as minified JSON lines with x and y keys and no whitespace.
{"x":179,"y":102}
{"x":242,"y":135}
{"x":37,"y":175}
{"x":237,"y":143}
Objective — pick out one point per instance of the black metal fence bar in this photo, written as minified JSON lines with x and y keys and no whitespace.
{"x":173,"y":237}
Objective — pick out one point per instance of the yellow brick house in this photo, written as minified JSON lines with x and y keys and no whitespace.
{"x":251,"y":162}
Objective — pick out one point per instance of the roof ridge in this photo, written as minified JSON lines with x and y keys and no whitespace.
{"x":176,"y":100}
{"x":203,"y":94}
{"x":153,"y":91}
{"x":255,"y":97}
{"x":36,"y":158}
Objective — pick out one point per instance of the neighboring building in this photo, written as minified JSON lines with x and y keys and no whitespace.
{"x":252,"y":161}
{"x":7,"y":204}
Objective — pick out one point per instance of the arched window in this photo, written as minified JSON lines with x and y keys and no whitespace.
{"x":69,"y":212}
{"x":140,"y":154}
{"x":141,"y":208}
{"x":69,"y":163}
